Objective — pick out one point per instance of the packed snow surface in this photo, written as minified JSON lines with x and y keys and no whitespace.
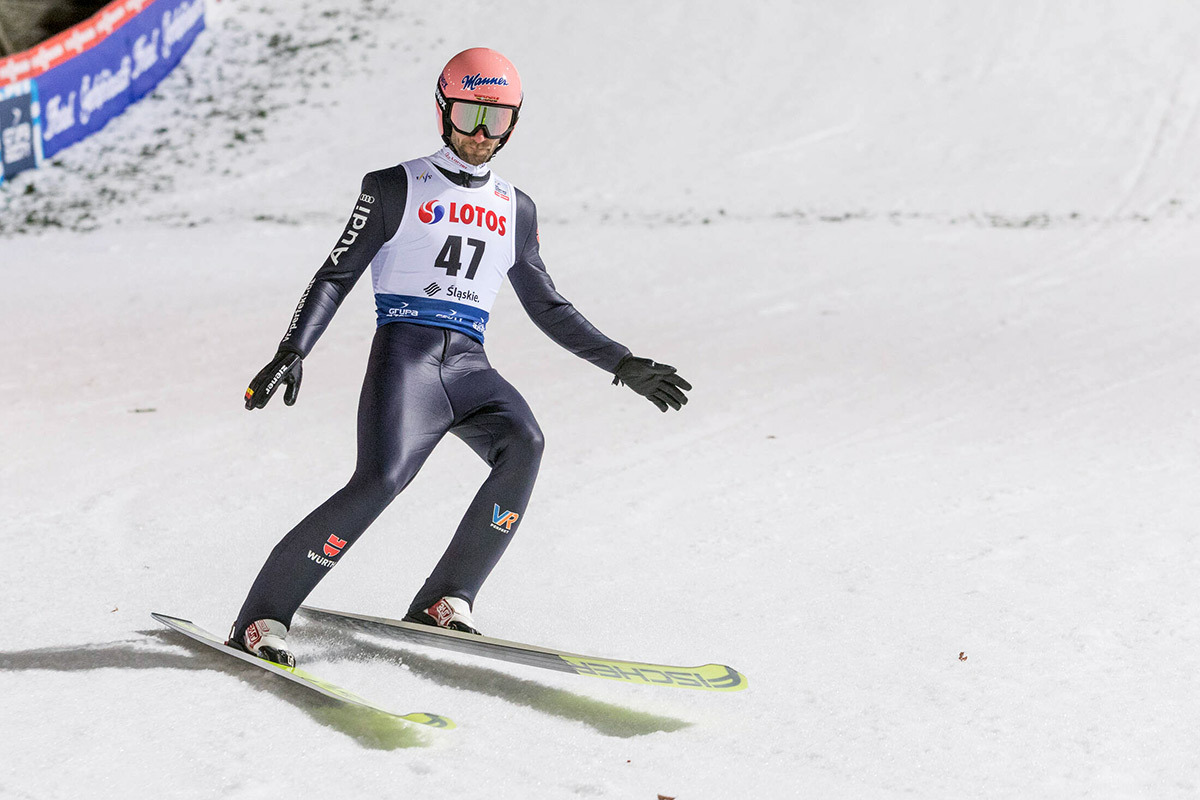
{"x":930,"y":270}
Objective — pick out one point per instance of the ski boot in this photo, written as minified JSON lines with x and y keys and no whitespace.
{"x":452,"y":613}
{"x":265,"y":638}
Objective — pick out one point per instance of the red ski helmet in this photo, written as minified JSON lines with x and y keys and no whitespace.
{"x":479,"y":89}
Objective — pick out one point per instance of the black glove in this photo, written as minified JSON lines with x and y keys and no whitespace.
{"x":656,"y":382}
{"x":286,"y":368}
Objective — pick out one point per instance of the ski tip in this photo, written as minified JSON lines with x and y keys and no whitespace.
{"x":714,"y":678}
{"x":727,"y":678}
{"x":432,"y":720}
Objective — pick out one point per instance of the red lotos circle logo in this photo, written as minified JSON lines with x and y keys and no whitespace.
{"x":431,"y":212}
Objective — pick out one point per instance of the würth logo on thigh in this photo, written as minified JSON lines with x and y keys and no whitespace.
{"x":334,"y":545}
{"x":503,"y":520}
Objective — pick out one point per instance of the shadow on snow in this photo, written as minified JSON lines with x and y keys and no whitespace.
{"x":370,"y":729}
{"x":606,"y":718}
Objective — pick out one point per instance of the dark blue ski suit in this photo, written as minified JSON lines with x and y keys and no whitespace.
{"x":425,"y":377}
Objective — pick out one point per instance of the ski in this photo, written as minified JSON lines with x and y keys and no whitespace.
{"x":709,"y":677}
{"x":194,"y":631}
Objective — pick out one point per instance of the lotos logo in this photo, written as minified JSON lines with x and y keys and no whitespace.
{"x":472,"y":82}
{"x":478,"y":216}
{"x":431,"y":212}
{"x":334,"y":545}
{"x":505,"y":518}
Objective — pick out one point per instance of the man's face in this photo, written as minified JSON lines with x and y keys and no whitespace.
{"x":475,"y":149}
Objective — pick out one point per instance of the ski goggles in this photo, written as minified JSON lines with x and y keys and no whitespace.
{"x":496,"y":121}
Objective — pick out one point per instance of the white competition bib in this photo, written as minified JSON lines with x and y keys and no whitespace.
{"x":448,"y":259}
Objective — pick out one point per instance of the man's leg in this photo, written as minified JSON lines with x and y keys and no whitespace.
{"x":403,"y":413}
{"x":496,"y":422}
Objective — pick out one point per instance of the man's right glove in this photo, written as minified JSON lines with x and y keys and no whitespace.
{"x":658,"y":383}
{"x":286,"y":368}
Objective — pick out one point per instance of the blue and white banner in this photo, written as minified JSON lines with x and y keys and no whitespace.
{"x":82,"y":78}
{"x":20,"y":129}
{"x":83,"y":94}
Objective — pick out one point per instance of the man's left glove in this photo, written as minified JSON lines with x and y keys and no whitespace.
{"x":658,"y":383}
{"x":285,"y":368}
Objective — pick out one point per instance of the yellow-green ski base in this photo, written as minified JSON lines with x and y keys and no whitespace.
{"x":709,"y":677}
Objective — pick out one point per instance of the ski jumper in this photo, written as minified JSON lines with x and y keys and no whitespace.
{"x":439,"y":243}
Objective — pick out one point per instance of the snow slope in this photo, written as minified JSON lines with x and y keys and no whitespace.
{"x":930,"y":272}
